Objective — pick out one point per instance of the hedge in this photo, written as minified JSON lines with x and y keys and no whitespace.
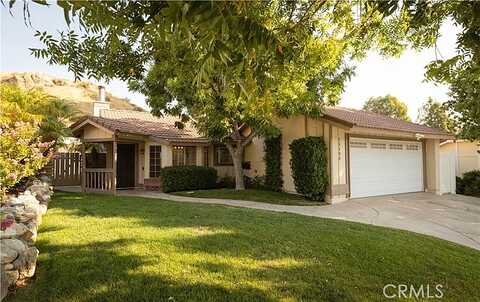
{"x":182,"y":178}
{"x":273,"y":163}
{"x":309,"y":167}
{"x":469,"y":184}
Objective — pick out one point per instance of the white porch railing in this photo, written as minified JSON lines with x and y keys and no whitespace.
{"x":98,"y":180}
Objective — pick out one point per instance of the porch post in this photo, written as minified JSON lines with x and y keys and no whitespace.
{"x":114,"y":165}
{"x":83,"y":167}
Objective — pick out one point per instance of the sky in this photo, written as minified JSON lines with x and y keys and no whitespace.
{"x":402,"y":77}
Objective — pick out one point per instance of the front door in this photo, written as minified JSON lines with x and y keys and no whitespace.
{"x":125,"y":165}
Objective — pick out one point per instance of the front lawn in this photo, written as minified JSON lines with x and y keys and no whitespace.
{"x":105,"y":248}
{"x":252,"y":195}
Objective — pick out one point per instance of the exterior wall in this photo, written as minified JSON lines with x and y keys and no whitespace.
{"x":141,"y":162}
{"x":335,"y":138}
{"x":254,"y":154}
{"x":339,"y":188}
{"x":432,"y":165}
{"x":91,"y":132}
{"x":199,"y":156}
{"x":292,"y":128}
{"x":467,"y":155}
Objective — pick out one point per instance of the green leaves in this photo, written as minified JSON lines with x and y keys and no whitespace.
{"x":435,"y":114}
{"x":388,"y":105}
{"x":309,"y":167}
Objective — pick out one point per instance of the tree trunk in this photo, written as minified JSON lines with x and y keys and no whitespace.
{"x":236,"y":151}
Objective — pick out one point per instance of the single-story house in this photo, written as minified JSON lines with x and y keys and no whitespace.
{"x":368,"y":154}
{"x":466,"y":153}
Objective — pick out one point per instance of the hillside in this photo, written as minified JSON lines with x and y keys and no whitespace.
{"x":81,"y":94}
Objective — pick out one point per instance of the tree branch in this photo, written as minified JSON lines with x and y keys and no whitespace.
{"x":249,"y":138}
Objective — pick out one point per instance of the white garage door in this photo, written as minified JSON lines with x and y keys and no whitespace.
{"x":381,"y":167}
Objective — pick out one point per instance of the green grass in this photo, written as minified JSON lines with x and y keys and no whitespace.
{"x":252,"y":195}
{"x":105,"y":248}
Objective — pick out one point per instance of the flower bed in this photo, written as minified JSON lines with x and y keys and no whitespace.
{"x":20,"y":217}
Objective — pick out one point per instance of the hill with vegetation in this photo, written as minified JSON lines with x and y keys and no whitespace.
{"x":80,"y":94}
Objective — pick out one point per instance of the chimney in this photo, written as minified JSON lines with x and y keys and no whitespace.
{"x":101,"y":94}
{"x":101,"y":103}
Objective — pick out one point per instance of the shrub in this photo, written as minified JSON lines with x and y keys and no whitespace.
{"x":309,"y":167}
{"x":273,"y":164}
{"x":32,"y":124}
{"x":256,"y":182}
{"x":183,"y":178}
{"x":226,"y":182}
{"x":459,"y":185}
{"x":470,"y":183}
{"x":22,"y":152}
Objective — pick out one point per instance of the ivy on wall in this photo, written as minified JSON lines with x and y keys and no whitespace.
{"x":273,"y":163}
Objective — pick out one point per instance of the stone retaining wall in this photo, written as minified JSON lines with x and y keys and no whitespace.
{"x":20,"y":217}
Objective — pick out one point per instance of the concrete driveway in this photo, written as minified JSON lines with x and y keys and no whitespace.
{"x":451,"y":217}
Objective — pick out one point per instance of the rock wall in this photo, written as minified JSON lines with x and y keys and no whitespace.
{"x":20,"y":217}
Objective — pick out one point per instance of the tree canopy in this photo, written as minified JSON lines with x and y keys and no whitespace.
{"x":434,"y":114}
{"x":226,"y":65}
{"x":229,"y":65}
{"x":387,"y":105}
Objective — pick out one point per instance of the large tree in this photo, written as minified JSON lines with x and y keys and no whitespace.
{"x":434,"y":114}
{"x":233,"y":66}
{"x":387,"y":105}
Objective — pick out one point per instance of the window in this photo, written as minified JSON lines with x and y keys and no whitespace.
{"x":412,"y":147}
{"x":222,"y":156}
{"x":206,"y":159}
{"x":178,"y":156}
{"x":378,"y":146}
{"x":396,"y":146}
{"x":155,"y":161}
{"x":358,"y":145}
{"x":184,"y":155}
{"x":190,"y":156}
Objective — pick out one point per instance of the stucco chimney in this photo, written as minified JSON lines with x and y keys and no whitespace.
{"x":101,"y":103}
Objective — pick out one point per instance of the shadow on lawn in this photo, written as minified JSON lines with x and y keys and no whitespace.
{"x":99,"y":272}
{"x":107,"y":271}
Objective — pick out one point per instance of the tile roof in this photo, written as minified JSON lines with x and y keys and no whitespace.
{"x":144,"y":123}
{"x":368,"y":119}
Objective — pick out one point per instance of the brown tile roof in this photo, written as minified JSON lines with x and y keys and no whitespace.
{"x":144,"y":123}
{"x":368,"y":119}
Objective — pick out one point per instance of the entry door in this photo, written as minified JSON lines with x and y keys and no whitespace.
{"x":125,"y":165}
{"x":382,"y":167}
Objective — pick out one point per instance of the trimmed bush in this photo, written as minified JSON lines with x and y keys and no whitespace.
{"x":309,"y":167}
{"x":459,"y":185}
{"x":273,"y":164}
{"x":469,"y":183}
{"x":182,"y":178}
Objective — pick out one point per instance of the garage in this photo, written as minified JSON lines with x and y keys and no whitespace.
{"x":382,"y":167}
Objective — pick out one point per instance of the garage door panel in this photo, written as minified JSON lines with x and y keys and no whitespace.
{"x":393,"y":169}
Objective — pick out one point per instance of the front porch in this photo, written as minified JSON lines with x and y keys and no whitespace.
{"x":112,"y":165}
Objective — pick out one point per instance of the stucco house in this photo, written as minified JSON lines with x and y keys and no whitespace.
{"x":368,"y":154}
{"x":465,"y":152}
